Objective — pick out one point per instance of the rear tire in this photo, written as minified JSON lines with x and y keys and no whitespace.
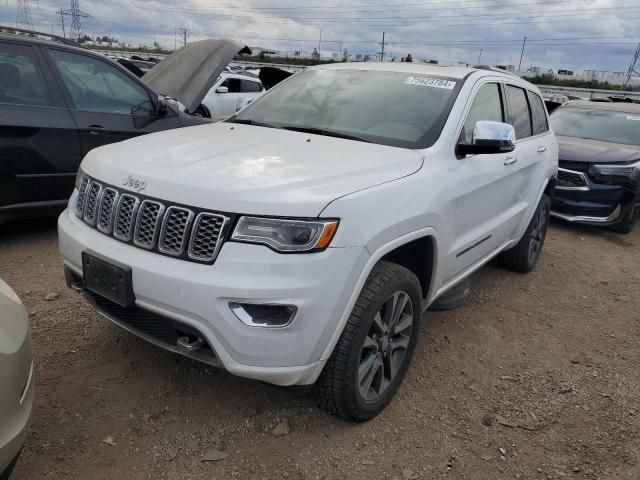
{"x":524,"y":256}
{"x":371,"y":357}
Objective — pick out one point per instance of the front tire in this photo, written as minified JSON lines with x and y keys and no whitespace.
{"x":625,"y":224}
{"x":524,"y":256}
{"x":371,"y":357}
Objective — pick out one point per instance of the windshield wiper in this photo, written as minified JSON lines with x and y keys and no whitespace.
{"x":248,"y":121}
{"x":328,"y":133}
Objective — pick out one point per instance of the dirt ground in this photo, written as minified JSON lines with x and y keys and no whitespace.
{"x":535,"y":377}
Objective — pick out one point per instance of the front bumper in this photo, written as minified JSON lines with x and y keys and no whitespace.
{"x":318,"y":284}
{"x":594,"y":203}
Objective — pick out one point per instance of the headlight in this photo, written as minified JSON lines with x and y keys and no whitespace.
{"x":617,"y":170}
{"x":286,"y":235}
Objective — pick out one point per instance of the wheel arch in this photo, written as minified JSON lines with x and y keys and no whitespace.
{"x":396,"y":248}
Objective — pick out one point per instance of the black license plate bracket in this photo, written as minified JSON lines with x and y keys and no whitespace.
{"x":110,"y":279}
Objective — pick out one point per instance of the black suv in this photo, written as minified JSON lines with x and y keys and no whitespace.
{"x":58,"y":101}
{"x":599,"y":174}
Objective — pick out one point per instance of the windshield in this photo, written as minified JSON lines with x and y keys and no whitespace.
{"x":603,"y":125}
{"x":389,"y":108}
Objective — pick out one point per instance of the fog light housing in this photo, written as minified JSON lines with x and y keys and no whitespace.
{"x":267,"y":315}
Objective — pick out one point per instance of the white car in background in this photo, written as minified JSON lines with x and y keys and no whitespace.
{"x":231,"y":93}
{"x":16,"y":378}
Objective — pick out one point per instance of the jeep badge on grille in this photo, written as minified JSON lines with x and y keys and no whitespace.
{"x":135,"y":183}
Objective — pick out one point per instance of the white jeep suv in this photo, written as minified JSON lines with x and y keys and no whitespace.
{"x":299,"y":241}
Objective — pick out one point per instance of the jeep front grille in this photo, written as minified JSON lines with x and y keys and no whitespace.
{"x":173,"y":230}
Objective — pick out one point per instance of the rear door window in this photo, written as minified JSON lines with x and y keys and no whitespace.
{"x":97,"y":86}
{"x":21,"y":81}
{"x":538,"y":114}
{"x":519,"y":114}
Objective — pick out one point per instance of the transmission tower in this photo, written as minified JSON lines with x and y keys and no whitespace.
{"x":634,"y":67}
{"x":76,"y":14}
{"x":23,"y":15}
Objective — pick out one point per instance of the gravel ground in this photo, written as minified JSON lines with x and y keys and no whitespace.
{"x":535,"y":377}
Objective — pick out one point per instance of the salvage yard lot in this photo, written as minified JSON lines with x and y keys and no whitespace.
{"x":535,"y":377}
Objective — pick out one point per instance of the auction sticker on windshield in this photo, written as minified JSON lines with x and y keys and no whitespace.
{"x":430,"y":82}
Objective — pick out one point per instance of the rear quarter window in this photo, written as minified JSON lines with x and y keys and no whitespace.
{"x":538,"y":114}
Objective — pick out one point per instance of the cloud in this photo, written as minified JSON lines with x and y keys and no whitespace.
{"x":574,"y":34}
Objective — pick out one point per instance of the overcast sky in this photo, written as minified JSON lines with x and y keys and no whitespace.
{"x":573,"y":34}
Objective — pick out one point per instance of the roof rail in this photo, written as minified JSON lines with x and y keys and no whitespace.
{"x":33,"y":33}
{"x":495,"y":69}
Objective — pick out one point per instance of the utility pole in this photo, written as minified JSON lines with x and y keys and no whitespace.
{"x":175,"y":39}
{"x":184,"y":32}
{"x":524,"y":42}
{"x":382,"y":45}
{"x":23,"y":15}
{"x":61,"y":20}
{"x":479,"y":57}
{"x":634,"y":68}
{"x":319,"y":44}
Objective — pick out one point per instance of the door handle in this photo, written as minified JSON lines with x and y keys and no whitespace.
{"x":542,"y":149}
{"x":510,"y":160}
{"x":93,"y":129}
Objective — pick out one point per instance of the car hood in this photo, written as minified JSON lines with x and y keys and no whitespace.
{"x":248,"y":169}
{"x":188,"y":74}
{"x":594,"y":151}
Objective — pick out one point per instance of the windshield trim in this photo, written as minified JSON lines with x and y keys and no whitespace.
{"x":430,"y":137}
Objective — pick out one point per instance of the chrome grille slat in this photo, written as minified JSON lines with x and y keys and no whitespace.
{"x":82,"y":191}
{"x":205,"y":236}
{"x":91,"y":203}
{"x":155,"y":225}
{"x":125,"y":215}
{"x":105,"y":212}
{"x":173,"y":235}
{"x":147,"y":223}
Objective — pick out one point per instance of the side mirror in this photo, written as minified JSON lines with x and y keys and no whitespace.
{"x":222,"y":90}
{"x":489,"y":137}
{"x":161,"y":107}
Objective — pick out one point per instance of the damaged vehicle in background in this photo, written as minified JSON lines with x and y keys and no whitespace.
{"x":59,"y":101}
{"x":599,"y":174}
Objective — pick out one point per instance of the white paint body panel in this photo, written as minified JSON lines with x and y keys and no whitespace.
{"x":384,"y":197}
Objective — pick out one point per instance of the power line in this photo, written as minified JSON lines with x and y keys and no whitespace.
{"x":298,"y":8}
{"x":385,"y":17}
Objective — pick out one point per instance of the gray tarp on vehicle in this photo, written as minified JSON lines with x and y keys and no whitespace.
{"x":188,"y":74}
